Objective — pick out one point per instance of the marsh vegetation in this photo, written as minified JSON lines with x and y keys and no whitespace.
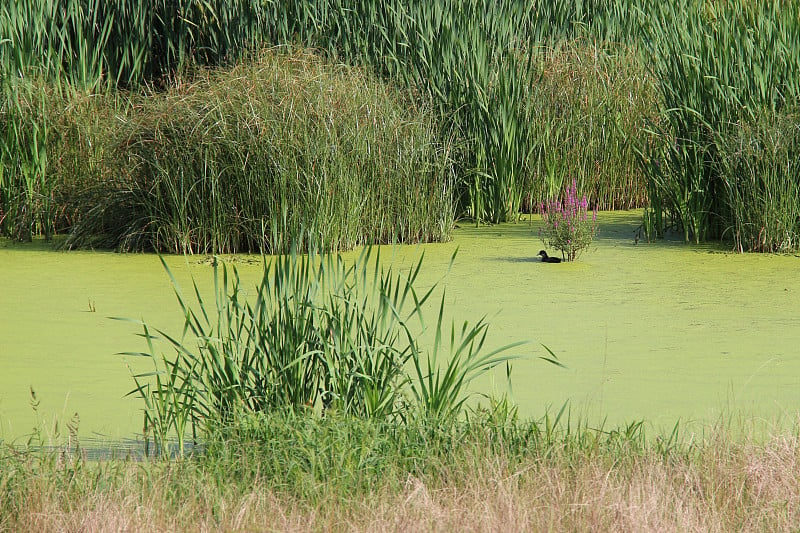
{"x":643,"y":104}
{"x":313,"y":127}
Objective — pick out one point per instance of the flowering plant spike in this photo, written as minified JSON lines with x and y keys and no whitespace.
{"x":566,"y":224}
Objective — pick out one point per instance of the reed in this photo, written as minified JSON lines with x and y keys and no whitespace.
{"x":92,"y":44}
{"x":26,"y":192}
{"x":587,"y":114}
{"x":277,"y":148}
{"x":636,"y":100}
{"x":318,"y":335}
{"x":479,"y":76}
{"x":720,"y":69}
{"x":761,"y":183}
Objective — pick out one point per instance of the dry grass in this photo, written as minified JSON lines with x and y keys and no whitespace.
{"x":718,"y":486}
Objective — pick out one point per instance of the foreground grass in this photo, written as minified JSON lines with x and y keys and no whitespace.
{"x":300,"y":473}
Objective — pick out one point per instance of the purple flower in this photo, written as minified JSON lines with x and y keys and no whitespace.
{"x":565,"y":221}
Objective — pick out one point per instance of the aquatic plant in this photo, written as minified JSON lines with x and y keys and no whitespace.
{"x":641,"y":102}
{"x":566,"y":224}
{"x":26,"y":192}
{"x":318,"y":335}
{"x":477,"y":64}
{"x":281,"y":148}
{"x":761,"y":182}
{"x":586,"y":112}
{"x":706,"y":153}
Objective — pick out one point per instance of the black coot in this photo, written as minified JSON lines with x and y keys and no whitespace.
{"x":546,"y":258}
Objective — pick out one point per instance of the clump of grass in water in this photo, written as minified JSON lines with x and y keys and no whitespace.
{"x":319,"y":335}
{"x":286,"y":146}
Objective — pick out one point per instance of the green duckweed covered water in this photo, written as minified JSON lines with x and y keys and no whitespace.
{"x":661,"y":332}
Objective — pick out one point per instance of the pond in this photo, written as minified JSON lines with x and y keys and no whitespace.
{"x":659,"y":332}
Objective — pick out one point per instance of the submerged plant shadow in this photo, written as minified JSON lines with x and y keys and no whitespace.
{"x":532,"y":259}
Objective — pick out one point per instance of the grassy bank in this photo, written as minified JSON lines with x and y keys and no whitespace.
{"x":305,"y":474}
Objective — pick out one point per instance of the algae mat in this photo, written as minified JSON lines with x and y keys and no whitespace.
{"x":658,"y":332}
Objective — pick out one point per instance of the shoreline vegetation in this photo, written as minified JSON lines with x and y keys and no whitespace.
{"x":290,"y":473}
{"x":116,"y":117}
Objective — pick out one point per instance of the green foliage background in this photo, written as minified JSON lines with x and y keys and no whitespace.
{"x":642,"y":103}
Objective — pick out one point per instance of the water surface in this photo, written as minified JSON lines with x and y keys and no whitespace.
{"x":659,"y":332}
